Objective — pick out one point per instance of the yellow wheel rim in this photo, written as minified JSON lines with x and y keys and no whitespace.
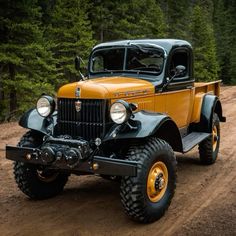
{"x":214,"y":138}
{"x":157,"y":181}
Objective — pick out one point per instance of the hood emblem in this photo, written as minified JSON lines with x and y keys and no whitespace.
{"x":77,"y":92}
{"x":78,"y":105}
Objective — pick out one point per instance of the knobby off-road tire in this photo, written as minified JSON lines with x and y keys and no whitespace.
{"x":209,"y":148}
{"x":145,"y":198}
{"x":33,"y":180}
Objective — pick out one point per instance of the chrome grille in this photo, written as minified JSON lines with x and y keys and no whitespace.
{"x":88,"y":123}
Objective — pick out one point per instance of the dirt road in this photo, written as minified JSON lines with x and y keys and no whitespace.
{"x":204,"y":203}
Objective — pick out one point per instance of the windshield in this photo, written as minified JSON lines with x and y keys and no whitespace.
{"x":135,"y":59}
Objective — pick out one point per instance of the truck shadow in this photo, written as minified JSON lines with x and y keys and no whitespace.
{"x":91,"y":203}
{"x":91,"y":187}
{"x":188,"y":159}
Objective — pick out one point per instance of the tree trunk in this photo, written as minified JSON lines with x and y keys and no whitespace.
{"x":1,"y":88}
{"x":2,"y":105}
{"x":13,"y":97}
{"x":101,"y":35}
{"x":1,"y":91}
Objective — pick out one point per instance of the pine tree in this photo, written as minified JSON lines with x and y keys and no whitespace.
{"x":127,"y":19}
{"x":25,"y":63}
{"x":146,"y":20}
{"x":177,"y":16}
{"x":40,"y":38}
{"x":202,"y":38}
{"x":232,"y":39}
{"x":225,"y":32}
{"x":101,"y":15}
{"x":69,"y":34}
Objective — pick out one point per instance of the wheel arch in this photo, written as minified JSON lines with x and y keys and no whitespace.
{"x":32,"y":120}
{"x":218,"y":110}
{"x":169,"y":132}
{"x":144,"y":125}
{"x":211,"y":104}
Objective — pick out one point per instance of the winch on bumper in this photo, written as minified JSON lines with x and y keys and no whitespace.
{"x":73,"y":155}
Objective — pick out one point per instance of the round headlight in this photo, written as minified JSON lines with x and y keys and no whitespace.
{"x":120,"y":112}
{"x":45,"y":106}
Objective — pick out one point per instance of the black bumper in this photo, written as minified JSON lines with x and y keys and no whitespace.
{"x":95,"y":165}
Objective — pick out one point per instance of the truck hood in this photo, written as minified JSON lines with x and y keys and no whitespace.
{"x":106,"y":88}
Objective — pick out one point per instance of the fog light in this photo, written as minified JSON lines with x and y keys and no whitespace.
{"x":95,"y":166}
{"x":98,"y":141}
{"x":28,"y":156}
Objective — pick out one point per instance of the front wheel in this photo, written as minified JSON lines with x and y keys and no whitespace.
{"x":147,"y":196}
{"x":36,"y":181}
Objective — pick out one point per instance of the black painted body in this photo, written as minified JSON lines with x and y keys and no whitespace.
{"x":32,"y":120}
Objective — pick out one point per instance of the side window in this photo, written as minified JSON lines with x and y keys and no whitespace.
{"x":180,"y":57}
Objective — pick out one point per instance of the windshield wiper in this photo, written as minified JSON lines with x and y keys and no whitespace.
{"x":134,"y":71}
{"x":108,"y":71}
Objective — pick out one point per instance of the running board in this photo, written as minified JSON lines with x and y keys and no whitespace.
{"x":192,"y":139}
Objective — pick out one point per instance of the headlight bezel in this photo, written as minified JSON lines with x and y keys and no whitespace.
{"x":50,"y":104}
{"x":126,"y":108}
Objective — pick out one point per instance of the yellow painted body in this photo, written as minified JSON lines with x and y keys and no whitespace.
{"x":107,"y":88}
{"x":183,"y":106}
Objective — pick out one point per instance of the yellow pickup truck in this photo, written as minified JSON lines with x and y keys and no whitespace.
{"x":138,"y":104}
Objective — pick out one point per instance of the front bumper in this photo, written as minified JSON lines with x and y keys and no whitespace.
{"x":94,"y":165}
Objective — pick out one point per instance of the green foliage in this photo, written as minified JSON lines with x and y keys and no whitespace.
{"x":203,"y":42}
{"x":177,"y":18}
{"x":25,"y":62}
{"x":225,"y":32}
{"x":39,"y":39}
{"x":69,"y":34}
{"x":127,"y":19}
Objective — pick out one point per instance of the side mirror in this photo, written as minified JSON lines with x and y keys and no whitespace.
{"x":179,"y":70}
{"x":77,"y":63}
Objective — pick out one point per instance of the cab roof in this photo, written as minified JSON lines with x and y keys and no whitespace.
{"x":167,"y":44}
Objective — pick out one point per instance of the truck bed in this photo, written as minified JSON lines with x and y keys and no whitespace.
{"x":208,"y":87}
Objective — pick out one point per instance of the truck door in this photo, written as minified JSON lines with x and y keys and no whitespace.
{"x":179,"y":95}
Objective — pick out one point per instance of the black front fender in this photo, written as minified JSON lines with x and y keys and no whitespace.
{"x":32,"y":120}
{"x":145,"y":124}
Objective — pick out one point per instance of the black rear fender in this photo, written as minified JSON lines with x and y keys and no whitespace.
{"x":211,"y":104}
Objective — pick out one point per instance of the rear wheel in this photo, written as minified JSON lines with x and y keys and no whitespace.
{"x":209,"y":148}
{"x":36,"y":181}
{"x":147,"y":196}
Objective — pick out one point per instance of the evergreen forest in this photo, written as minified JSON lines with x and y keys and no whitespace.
{"x":39,"y":40}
